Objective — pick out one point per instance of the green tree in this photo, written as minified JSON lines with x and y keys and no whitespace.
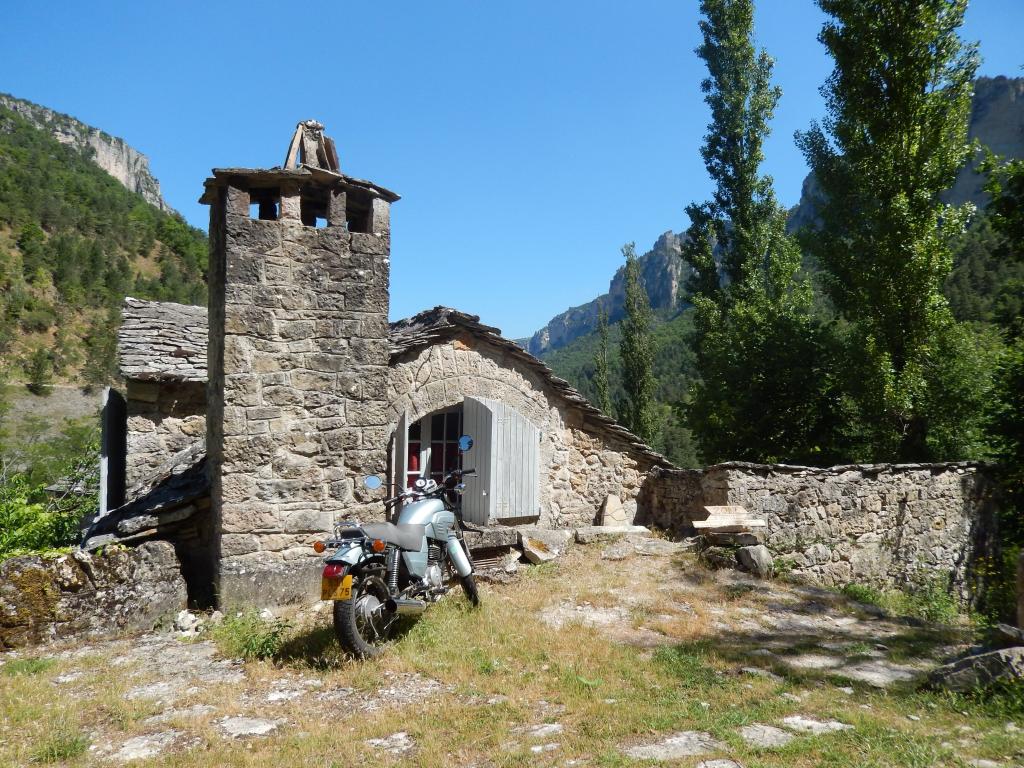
{"x":39,"y":370}
{"x":637,"y":411}
{"x":602,"y":385}
{"x":895,"y":135}
{"x":761,"y":358}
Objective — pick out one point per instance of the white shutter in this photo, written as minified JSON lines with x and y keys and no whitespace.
{"x":507,"y":457}
{"x":478,"y":423}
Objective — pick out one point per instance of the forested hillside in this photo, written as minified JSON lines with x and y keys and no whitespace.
{"x":985,"y":288}
{"x":73,"y":243}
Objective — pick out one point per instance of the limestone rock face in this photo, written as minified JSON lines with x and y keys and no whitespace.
{"x":88,"y":594}
{"x":113,"y":155}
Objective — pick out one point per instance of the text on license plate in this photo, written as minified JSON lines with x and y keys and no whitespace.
{"x":336,"y":589}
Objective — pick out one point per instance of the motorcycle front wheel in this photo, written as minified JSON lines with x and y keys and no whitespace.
{"x":362,"y":624}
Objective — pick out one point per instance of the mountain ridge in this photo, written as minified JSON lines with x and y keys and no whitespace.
{"x":112,"y":154}
{"x":997,"y":122}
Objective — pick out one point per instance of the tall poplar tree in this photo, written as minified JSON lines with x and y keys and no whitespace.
{"x":762,"y":393}
{"x":895,"y":135}
{"x":602,"y":384}
{"x":637,"y":410}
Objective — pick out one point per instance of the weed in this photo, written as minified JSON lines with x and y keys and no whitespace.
{"x":688,"y":665}
{"x":250,"y":636}
{"x":26,"y":666}
{"x":928,"y":599}
{"x":738,"y":590}
{"x":64,"y":743}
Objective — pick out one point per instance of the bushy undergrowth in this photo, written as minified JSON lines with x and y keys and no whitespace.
{"x":250,"y":636}
{"x":927,"y":600}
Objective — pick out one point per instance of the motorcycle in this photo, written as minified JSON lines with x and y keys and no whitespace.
{"x":381,"y":572}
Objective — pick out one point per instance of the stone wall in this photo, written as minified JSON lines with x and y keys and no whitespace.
{"x":888,"y":525}
{"x":164,"y":418}
{"x":298,"y":372}
{"x":578,"y":468}
{"x":88,"y":594}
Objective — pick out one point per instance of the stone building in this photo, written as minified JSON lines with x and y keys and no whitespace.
{"x":291,"y":386}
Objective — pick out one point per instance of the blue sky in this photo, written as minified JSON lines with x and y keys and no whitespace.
{"x":529,"y":140}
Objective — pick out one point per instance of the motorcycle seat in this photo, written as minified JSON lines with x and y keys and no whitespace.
{"x":407,"y":536}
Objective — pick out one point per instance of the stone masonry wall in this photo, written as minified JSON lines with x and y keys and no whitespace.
{"x":84,"y":594}
{"x":297,"y":389}
{"x":887,"y":525}
{"x":578,"y":469}
{"x":163,"y":419}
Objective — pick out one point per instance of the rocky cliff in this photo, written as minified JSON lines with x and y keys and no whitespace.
{"x":997,"y":122}
{"x":662,"y":273}
{"x":113,"y":155}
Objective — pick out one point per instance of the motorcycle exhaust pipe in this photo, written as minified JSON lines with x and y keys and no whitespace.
{"x":404,"y":607}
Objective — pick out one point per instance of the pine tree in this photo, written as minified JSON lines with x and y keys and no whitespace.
{"x":762,"y":394}
{"x":601,"y":382}
{"x":895,"y":135}
{"x":637,"y":353}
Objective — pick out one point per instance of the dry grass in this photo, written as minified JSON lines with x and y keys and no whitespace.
{"x":506,"y":670}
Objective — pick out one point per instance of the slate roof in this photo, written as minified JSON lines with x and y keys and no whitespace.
{"x":162,"y":341}
{"x":440,"y":324}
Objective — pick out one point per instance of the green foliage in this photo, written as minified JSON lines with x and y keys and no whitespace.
{"x":928,"y":599}
{"x":33,"y":519}
{"x":894,"y":139}
{"x":16,"y":667}
{"x":249,"y":636}
{"x":763,"y":392}
{"x":61,"y":744}
{"x":637,"y":408}
{"x":602,"y":384}
{"x":39,"y":370}
{"x":81,"y":242}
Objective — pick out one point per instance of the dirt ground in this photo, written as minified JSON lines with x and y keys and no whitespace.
{"x":647,"y":658}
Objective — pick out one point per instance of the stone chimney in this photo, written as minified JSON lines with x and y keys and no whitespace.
{"x":298,"y":364}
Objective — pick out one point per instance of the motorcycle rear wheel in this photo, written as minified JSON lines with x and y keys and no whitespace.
{"x":362,"y":624}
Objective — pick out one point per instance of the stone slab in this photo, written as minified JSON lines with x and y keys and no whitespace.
{"x":594,"y":534}
{"x":543,"y":544}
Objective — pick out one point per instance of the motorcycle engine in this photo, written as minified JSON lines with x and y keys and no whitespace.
{"x":433,"y":576}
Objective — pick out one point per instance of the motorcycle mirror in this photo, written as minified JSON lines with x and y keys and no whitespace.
{"x":372,"y":482}
{"x":465,"y":443}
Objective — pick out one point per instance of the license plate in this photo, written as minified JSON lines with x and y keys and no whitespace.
{"x":336,"y":589}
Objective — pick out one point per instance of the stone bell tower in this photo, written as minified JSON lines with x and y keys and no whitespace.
{"x":298,"y":363}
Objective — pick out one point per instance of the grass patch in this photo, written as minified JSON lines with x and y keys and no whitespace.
{"x":688,"y":665}
{"x":250,"y":636}
{"x":26,"y":667}
{"x":64,"y":743}
{"x":928,"y":601}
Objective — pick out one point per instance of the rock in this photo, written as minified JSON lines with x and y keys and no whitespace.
{"x":983,"y":763}
{"x":980,"y":671}
{"x":717,"y":557}
{"x":543,"y":544}
{"x":594,"y":534}
{"x":683,"y":744}
{"x":1005,"y":636}
{"x":145,"y":747}
{"x":540,"y":748}
{"x":395,"y":744}
{"x":803,"y":724}
{"x":758,"y":672}
{"x":655,"y":547}
{"x":765,"y":736}
{"x":744,"y":539}
{"x":757,"y":560}
{"x":723,"y":762}
{"x":878,"y":672}
{"x":620,"y":550}
{"x":613,"y":513}
{"x":544,"y":730}
{"x":241,"y":727}
{"x":186,"y":621}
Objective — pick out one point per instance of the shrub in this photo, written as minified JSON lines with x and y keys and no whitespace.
{"x":250,"y":636}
